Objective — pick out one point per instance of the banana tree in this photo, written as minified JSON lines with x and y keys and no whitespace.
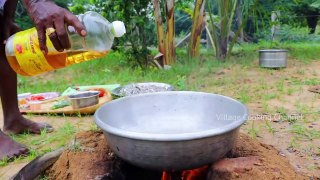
{"x":197,"y":26}
{"x":226,"y":11}
{"x":166,"y":45}
{"x":160,"y":31}
{"x":170,"y":45}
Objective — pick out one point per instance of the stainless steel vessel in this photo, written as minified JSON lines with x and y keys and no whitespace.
{"x":84,"y":99}
{"x":171,"y":130}
{"x":273,"y":58}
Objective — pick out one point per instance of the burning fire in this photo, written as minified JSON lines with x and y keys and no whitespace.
{"x":194,"y":174}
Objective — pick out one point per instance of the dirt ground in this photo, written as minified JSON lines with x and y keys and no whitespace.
{"x":282,"y":112}
{"x":93,"y":159}
{"x":285,"y":146}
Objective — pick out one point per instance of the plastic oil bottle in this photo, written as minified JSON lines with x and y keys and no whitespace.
{"x":26,"y":58}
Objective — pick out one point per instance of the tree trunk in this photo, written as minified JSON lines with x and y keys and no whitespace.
{"x":223,"y":49}
{"x":275,"y":29}
{"x":197,"y":26}
{"x":239,"y":19}
{"x":160,"y":31}
{"x":170,"y":45}
{"x":227,"y":11}
{"x":224,"y":31}
{"x":312,"y":23}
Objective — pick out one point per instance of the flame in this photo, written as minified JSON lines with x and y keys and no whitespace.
{"x":166,"y":176}
{"x":194,"y":174}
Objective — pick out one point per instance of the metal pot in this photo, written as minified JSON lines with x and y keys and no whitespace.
{"x":273,"y":58}
{"x":171,"y":130}
{"x":84,"y":99}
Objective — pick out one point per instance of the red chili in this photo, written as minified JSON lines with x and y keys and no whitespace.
{"x":37,"y":98}
{"x":102,"y":93}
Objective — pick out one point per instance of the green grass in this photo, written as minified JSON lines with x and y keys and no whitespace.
{"x":280,"y":86}
{"x":244,"y":96}
{"x":303,"y":132}
{"x":4,"y":162}
{"x":43,"y":143}
{"x":290,"y":91}
{"x":254,"y":130}
{"x":108,"y":70}
{"x":294,"y":143}
{"x":270,"y":96}
{"x":113,"y":69}
{"x":305,"y":52}
{"x":302,"y":51}
{"x":269,"y":127}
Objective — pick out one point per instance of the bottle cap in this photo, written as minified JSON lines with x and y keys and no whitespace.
{"x":118,"y":28}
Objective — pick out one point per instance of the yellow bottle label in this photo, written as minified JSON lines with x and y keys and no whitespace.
{"x":28,"y":53}
{"x":79,"y":57}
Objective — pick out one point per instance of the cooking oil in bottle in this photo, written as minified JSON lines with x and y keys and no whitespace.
{"x":25,"y":57}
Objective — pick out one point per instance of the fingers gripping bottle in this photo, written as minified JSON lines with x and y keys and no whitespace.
{"x":25,"y":57}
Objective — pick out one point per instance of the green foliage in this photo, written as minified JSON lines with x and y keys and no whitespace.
{"x":140,"y":57}
{"x":183,"y":22}
{"x":62,"y":3}
{"x":315,"y":4}
{"x":258,"y":13}
{"x":290,"y":34}
{"x":306,"y":7}
{"x":306,"y":12}
{"x":293,"y":12}
{"x":221,"y":18}
{"x":22,"y":17}
{"x":137,"y":19}
{"x":183,"y":15}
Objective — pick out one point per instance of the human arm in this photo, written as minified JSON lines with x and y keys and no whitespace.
{"x":8,"y":18}
{"x":46,"y":14}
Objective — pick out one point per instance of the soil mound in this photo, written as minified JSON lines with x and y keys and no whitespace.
{"x":251,"y":159}
{"x":90,"y":158}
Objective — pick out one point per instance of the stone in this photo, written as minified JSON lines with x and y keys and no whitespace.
{"x":237,"y":165}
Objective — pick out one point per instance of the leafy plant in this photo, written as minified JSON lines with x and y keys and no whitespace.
{"x":311,"y":10}
{"x":289,"y":33}
{"x":139,"y":26}
{"x":197,"y":26}
{"x":221,"y":19}
{"x":22,"y":17}
{"x":4,"y":161}
{"x":226,"y":10}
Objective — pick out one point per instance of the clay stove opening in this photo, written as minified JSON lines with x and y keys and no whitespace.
{"x":193,"y":174}
{"x":125,"y":171}
{"x":122,"y":170}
